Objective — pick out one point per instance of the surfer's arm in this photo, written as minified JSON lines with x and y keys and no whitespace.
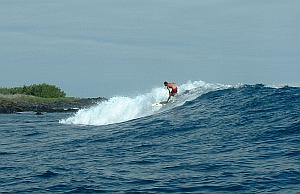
{"x":169,"y":90}
{"x":169,"y":97}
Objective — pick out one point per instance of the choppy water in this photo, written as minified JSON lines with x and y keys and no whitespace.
{"x":243,"y":140}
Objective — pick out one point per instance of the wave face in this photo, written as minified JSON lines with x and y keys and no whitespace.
{"x":120,"y":109}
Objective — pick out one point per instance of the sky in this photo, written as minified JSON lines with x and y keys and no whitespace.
{"x":125,"y":47}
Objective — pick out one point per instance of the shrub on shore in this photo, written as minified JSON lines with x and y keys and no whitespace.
{"x":39,"y":90}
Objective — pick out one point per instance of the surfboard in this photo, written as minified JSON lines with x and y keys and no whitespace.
{"x":159,"y":104}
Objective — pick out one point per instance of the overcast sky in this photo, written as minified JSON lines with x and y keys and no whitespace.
{"x":125,"y":47}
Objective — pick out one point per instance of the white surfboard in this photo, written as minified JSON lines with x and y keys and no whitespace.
{"x":159,"y":104}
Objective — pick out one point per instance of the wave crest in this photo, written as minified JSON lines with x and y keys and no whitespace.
{"x":120,"y":109}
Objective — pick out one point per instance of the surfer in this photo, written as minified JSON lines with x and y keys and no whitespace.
{"x":172,"y":88}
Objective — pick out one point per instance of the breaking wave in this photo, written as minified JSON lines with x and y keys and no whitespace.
{"x":121,"y":108}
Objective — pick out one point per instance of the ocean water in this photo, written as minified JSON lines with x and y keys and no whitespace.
{"x":212,"y":139}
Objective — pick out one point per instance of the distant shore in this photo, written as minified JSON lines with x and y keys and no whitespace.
{"x":41,"y":98}
{"x":26,"y":103}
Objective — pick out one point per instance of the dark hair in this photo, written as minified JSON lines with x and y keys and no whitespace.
{"x":165,"y":83}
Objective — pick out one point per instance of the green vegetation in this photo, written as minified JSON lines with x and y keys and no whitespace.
{"x":39,"y":90}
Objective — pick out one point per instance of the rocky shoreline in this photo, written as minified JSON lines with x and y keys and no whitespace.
{"x":10,"y":104}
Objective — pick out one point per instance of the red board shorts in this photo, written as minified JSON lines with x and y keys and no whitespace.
{"x":174,"y":91}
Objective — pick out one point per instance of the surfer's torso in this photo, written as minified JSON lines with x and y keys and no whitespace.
{"x":173,"y":88}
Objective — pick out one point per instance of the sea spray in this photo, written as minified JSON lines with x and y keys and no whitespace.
{"x":119,"y":109}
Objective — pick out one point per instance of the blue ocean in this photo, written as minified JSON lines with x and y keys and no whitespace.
{"x":211,"y":138}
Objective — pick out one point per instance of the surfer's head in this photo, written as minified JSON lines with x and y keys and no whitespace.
{"x":165,"y":83}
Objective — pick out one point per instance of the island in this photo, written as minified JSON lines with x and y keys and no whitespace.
{"x":41,"y":98}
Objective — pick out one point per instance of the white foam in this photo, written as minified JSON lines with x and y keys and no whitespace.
{"x":119,"y":109}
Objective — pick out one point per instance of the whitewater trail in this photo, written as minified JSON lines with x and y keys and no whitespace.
{"x":120,"y":109}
